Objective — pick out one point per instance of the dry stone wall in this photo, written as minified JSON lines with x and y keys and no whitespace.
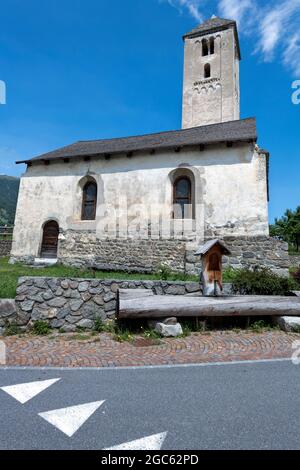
{"x":5,"y":247}
{"x":71,"y":303}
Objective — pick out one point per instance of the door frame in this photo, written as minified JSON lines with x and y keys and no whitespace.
{"x":40,"y":254}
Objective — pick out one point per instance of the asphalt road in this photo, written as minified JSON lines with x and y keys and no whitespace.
{"x":237,"y":406}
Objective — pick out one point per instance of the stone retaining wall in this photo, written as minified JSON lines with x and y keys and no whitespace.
{"x":5,"y":247}
{"x":8,"y":313}
{"x":262,"y":251}
{"x":71,"y":303}
{"x":295,"y":261}
{"x":84,"y":249}
{"x":248,"y":252}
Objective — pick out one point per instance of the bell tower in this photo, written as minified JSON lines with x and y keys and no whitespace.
{"x":211,"y":85}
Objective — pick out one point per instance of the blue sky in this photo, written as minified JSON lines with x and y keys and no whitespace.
{"x":77,"y":70}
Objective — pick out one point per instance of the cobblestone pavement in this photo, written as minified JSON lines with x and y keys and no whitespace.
{"x":103,"y":351}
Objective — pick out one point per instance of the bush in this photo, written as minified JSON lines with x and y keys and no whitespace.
{"x":99,"y":325}
{"x":296,"y":276}
{"x":261,"y":281}
{"x":104,"y":327}
{"x":12,"y":330}
{"x":41,"y":328}
{"x":164,"y":272}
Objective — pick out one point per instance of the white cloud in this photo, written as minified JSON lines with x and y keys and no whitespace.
{"x":291,"y":56}
{"x":237,"y":9}
{"x":273,"y":27}
{"x":192,"y":7}
{"x":277,"y":25}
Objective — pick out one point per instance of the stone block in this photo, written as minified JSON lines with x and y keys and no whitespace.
{"x":288,"y":324}
{"x":65,"y":284}
{"x":175,"y":289}
{"x":86,"y":323}
{"x":98,"y":299}
{"x":57,"y":302}
{"x":7,"y":308}
{"x":83,"y":286}
{"x":169,"y":330}
{"x":27,"y":305}
{"x":192,"y":287}
{"x":75,"y":305}
{"x":68,"y":328}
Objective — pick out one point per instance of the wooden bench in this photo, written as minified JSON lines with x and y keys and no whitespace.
{"x":142,"y":303}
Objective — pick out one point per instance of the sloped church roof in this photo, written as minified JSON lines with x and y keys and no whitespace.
{"x":234,"y":131}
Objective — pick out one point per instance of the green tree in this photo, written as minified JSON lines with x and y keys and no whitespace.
{"x":287,"y":228}
{"x":3,"y":217}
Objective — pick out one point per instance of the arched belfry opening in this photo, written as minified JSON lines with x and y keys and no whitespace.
{"x":204,"y":47}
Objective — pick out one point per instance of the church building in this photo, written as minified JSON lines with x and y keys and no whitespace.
{"x":135,"y":203}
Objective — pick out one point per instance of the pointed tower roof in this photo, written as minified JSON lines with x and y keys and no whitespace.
{"x":213,"y":25}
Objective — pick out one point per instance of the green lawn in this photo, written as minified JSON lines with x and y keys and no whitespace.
{"x":9,"y":274}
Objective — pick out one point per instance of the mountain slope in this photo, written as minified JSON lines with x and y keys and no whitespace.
{"x":9,"y":188}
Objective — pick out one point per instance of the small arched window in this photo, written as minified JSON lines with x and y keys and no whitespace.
{"x":182,"y":196}
{"x":204,"y":47}
{"x":207,"y":71}
{"x":89,"y":201}
{"x":212,"y":45}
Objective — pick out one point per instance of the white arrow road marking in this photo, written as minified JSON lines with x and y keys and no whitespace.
{"x":153,"y":442}
{"x":24,"y":392}
{"x":69,"y":420}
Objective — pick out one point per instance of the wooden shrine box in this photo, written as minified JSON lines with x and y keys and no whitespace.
{"x":211,"y":274}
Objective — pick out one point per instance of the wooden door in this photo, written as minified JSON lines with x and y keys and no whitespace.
{"x":50,"y":240}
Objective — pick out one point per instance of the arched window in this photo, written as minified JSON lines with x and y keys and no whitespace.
{"x":207,"y":71}
{"x":204,"y":47}
{"x":212,"y":45}
{"x":182,"y":196}
{"x":89,"y":201}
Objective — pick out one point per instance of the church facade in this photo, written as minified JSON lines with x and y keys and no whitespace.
{"x":136,"y":203}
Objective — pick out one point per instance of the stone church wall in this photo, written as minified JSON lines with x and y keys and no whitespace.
{"x":82,"y":249}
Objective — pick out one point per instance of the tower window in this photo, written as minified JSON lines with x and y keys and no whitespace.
{"x":204,"y":47}
{"x":212,"y":45}
{"x":207,"y":71}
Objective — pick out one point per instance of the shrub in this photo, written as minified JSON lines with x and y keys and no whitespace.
{"x":12,"y":329}
{"x":261,"y":281}
{"x":99,"y":325}
{"x":164,"y":272}
{"x":229,"y":274}
{"x":41,"y":328}
{"x":296,"y":276}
